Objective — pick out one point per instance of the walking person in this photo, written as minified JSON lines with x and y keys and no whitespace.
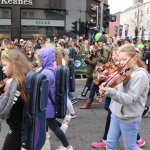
{"x":129,"y":100}
{"x":13,"y":96}
{"x":47,"y":58}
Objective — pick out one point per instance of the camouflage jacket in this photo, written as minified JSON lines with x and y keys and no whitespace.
{"x":90,"y":68}
{"x":100,"y":59}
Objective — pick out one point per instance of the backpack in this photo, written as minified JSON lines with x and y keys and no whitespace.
{"x":34,"y":112}
{"x":72,"y":53}
{"x":61,"y":88}
{"x":72,"y":82}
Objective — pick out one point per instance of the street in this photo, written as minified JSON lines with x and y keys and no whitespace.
{"x":88,"y":126}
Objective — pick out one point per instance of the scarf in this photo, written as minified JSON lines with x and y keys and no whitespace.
{"x":7,"y":99}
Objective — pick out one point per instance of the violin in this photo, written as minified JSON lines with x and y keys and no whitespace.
{"x":105,"y":71}
{"x":116,"y":79}
{"x":93,"y":52}
{"x":2,"y":84}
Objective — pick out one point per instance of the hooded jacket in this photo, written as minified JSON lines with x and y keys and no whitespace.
{"x":130,"y":97}
{"x":47,"y":56}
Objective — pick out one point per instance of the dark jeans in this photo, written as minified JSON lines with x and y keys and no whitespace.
{"x":13,"y":140}
{"x":52,"y":124}
{"x":107,"y":103}
{"x":86,"y":87}
{"x":93,"y":89}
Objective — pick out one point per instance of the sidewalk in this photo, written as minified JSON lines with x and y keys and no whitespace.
{"x":47,"y":145}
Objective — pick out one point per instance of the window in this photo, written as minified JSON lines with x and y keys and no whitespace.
{"x":147,"y":10}
{"x":6,"y":14}
{"x":31,"y":14}
{"x":24,"y":14}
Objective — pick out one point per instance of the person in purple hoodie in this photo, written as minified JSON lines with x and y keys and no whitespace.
{"x":47,"y":58}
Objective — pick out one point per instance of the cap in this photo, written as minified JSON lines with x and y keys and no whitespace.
{"x":97,"y":36}
{"x":21,"y":40}
{"x":64,"y":37}
{"x":102,"y":39}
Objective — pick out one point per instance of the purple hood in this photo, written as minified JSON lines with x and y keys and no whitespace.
{"x":47,"y":56}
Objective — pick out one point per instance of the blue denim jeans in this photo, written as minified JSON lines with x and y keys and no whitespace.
{"x":71,"y":95}
{"x":93,"y":89}
{"x":128,"y":131}
{"x":91,"y":35}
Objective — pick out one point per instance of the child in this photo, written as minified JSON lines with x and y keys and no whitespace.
{"x":129,"y":99}
{"x":69,"y":104}
{"x":15,"y":67}
{"x":47,"y":57}
{"x":102,"y":143}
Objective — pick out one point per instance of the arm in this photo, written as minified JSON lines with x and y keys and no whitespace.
{"x":105,"y":55}
{"x":7,"y":98}
{"x":135,"y":89}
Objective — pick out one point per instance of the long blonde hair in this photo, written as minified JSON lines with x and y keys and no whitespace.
{"x":27,"y":46}
{"x":8,"y":44}
{"x":20,"y":67}
{"x":58,"y":57}
{"x":65,"y":56}
{"x":132,"y":52}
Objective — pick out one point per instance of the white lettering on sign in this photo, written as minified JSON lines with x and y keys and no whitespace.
{"x":42,"y":22}
{"x":15,"y":2}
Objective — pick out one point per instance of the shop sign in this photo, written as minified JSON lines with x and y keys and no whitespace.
{"x":16,"y":2}
{"x":43,"y":22}
{"x":54,"y":23}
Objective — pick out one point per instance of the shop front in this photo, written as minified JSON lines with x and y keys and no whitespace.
{"x":32,"y":18}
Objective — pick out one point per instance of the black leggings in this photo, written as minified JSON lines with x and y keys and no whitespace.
{"x":53,"y":125}
{"x":107,"y":127}
{"x":13,"y":140}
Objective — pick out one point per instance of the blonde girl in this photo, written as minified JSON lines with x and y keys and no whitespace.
{"x":69,"y":104}
{"x":129,"y":100}
{"x":15,"y":67}
{"x":29,"y":51}
{"x":7,"y":45}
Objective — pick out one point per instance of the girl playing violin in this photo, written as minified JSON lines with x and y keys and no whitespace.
{"x":129,"y":100}
{"x":13,"y":96}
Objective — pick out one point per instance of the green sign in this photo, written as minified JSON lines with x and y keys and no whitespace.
{"x":79,"y":67}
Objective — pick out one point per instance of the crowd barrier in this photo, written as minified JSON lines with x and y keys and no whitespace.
{"x":80,"y":69}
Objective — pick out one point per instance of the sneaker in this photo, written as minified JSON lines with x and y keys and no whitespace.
{"x":73,"y":100}
{"x":73,"y":116}
{"x":146,"y":110}
{"x":66,"y":119}
{"x":101,"y":143}
{"x":63,"y":148}
{"x":140,"y":142}
{"x":81,"y":97}
{"x":64,"y":127}
{"x":48,"y":135}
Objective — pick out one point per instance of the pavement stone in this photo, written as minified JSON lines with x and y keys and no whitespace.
{"x":87,"y":127}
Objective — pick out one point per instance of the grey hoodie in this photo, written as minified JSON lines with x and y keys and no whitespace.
{"x":130,"y":97}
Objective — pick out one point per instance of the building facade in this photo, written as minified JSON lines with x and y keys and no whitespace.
{"x":112,"y":25}
{"x":137,"y":16}
{"x":36,"y":18}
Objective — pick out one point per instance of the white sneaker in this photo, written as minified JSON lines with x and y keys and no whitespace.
{"x":73,"y":116}
{"x":48,"y":135}
{"x":63,"y":148}
{"x":64,"y":127}
{"x":81,"y":97}
{"x":66,"y":119}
